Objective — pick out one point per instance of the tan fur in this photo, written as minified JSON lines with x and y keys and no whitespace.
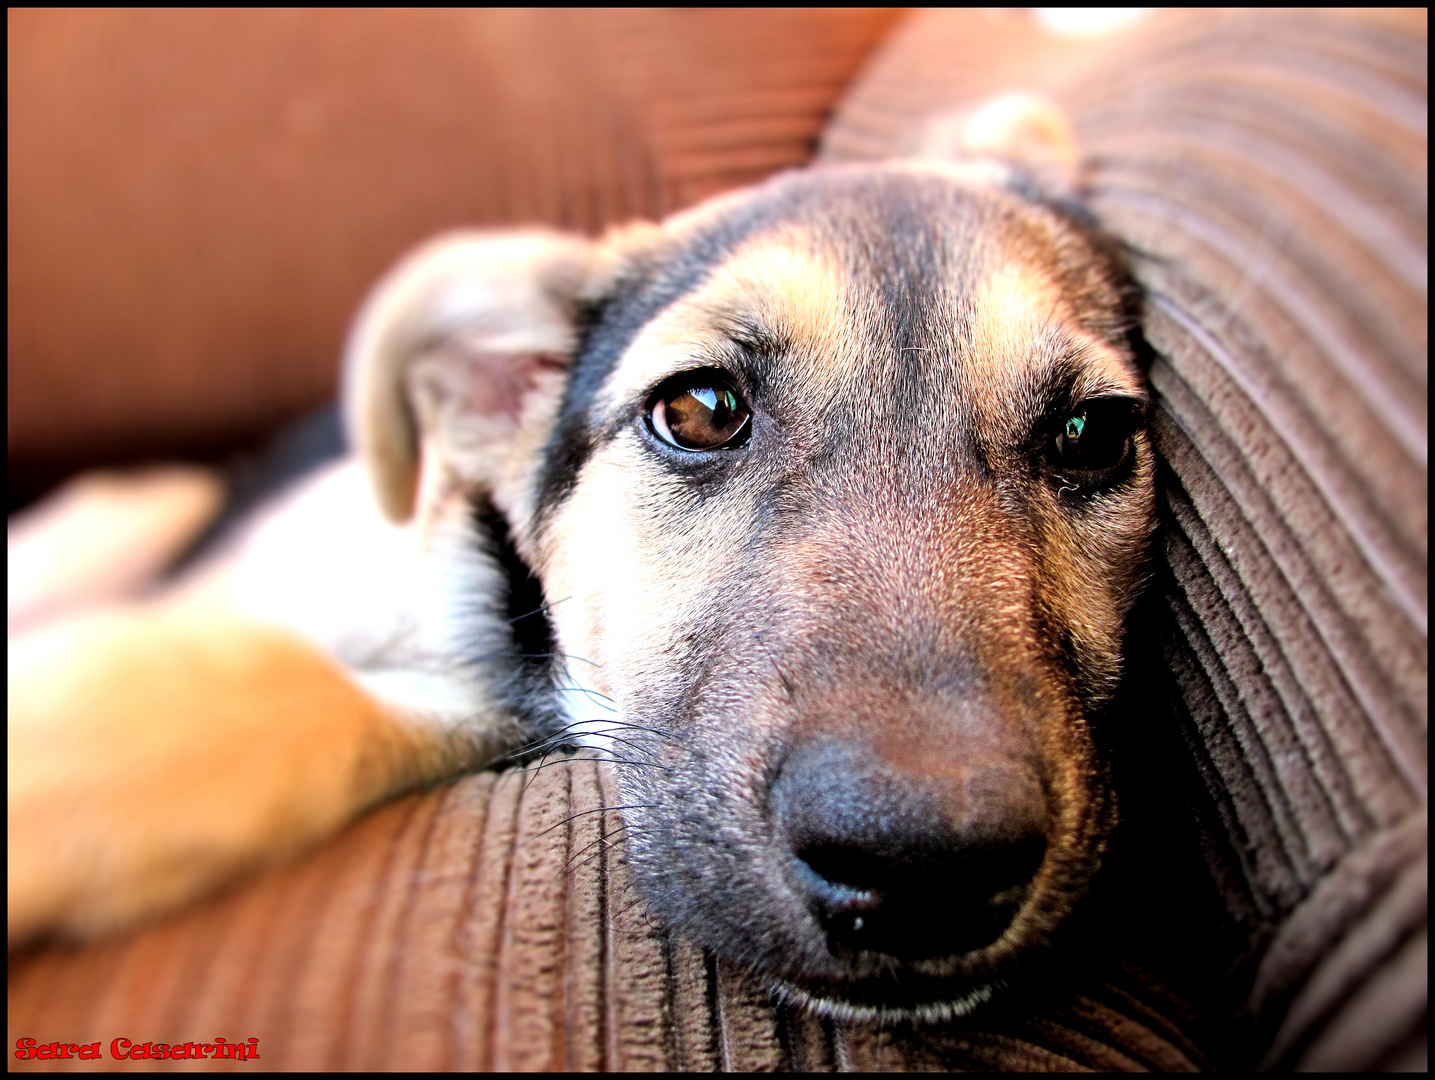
{"x":103,"y":536}
{"x":155,"y":752}
{"x":783,"y":283}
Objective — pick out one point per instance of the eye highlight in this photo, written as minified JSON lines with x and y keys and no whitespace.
{"x":702,"y":413}
{"x":1095,"y":436}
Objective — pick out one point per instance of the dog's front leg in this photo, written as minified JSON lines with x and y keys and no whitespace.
{"x":334,"y":654}
{"x":154,"y":752}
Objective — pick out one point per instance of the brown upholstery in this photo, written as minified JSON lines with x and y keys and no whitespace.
{"x":490,"y":925}
{"x":1266,"y":899}
{"x":198,"y":199}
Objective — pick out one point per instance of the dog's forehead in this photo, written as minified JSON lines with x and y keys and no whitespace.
{"x":841,"y":272}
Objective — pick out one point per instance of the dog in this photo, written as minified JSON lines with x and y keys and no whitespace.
{"x":818,"y":509}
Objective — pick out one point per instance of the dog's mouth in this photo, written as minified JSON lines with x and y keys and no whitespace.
{"x":915,"y":948}
{"x":905,"y":883}
{"x":876,"y":985}
{"x":915,"y":998}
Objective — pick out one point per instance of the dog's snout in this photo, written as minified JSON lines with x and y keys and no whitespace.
{"x":909,"y":860}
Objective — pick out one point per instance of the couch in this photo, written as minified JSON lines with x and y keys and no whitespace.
{"x":197,"y":201}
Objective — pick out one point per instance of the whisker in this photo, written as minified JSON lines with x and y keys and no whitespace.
{"x":530,"y":769}
{"x":569,"y":732}
{"x":604,"y":845}
{"x":619,"y":825}
{"x":551,"y":742}
{"x":636,"y":904}
{"x":782,"y":676}
{"x":631,"y":744}
{"x":625,"y":761}
{"x":586,"y":693}
{"x":570,"y":727}
{"x":544,"y":607}
{"x":580,"y":659}
{"x":596,"y":810}
{"x":662,"y":733}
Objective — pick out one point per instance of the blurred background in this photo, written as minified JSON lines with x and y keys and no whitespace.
{"x":198,"y":199}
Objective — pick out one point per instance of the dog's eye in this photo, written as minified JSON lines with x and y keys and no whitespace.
{"x":1096,"y":435}
{"x":706,"y":415}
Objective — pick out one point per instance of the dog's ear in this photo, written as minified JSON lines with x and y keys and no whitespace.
{"x":1025,"y":131}
{"x":449,"y":352}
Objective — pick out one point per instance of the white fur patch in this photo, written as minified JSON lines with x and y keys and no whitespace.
{"x":386,"y":601}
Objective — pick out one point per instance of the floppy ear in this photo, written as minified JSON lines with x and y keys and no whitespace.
{"x":449,"y":351}
{"x":1023,"y":130}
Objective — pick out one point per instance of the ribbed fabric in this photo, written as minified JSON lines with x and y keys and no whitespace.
{"x":1268,"y":170}
{"x":490,"y":924}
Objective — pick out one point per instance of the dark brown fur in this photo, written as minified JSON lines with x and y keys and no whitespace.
{"x":890,"y":569}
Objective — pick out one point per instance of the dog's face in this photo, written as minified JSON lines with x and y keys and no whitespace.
{"x":838,"y":506}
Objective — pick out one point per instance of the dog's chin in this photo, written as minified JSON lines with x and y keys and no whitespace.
{"x":872,"y":986}
{"x":881,"y":1005}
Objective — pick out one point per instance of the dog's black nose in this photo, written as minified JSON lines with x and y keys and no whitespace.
{"x":911,"y":860}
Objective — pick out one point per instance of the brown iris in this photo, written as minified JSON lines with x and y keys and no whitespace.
{"x":705,"y":416}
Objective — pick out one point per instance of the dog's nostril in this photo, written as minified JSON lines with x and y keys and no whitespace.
{"x":886,"y":864}
{"x":840,"y":864}
{"x":933,"y":901}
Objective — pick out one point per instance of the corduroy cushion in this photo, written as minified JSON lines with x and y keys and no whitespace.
{"x":1269,"y":171}
{"x":490,"y":924}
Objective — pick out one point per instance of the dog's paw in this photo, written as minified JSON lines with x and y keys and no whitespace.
{"x":103,"y":536}
{"x":154,"y":753}
{"x":1024,"y":132}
